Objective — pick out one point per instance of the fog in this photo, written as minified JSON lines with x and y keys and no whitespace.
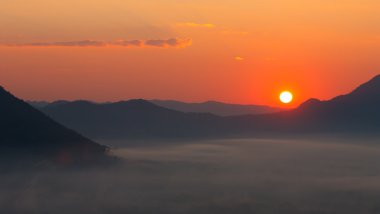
{"x":221,"y":176}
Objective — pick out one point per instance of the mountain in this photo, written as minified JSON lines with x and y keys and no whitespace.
{"x":217,"y":108}
{"x":42,"y":104}
{"x":212,"y":107}
{"x":358,"y":109}
{"x":131,"y":119}
{"x":25,"y":130}
{"x":38,"y":104}
{"x":356,"y":112}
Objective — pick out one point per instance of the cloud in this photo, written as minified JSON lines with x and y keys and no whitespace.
{"x":83,"y":43}
{"x":239,"y":58}
{"x":192,"y":24}
{"x":136,"y":43}
{"x":173,"y":42}
{"x":181,"y":43}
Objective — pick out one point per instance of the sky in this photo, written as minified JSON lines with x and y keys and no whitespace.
{"x":236,"y":51}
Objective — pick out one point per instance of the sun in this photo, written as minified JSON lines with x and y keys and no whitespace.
{"x":286,"y":97}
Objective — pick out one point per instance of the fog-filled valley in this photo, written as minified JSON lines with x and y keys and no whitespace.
{"x":215,"y":176}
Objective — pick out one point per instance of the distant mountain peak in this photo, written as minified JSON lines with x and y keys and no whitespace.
{"x":138,"y":103}
{"x":57,"y":103}
{"x":82,"y":102}
{"x":310,"y":103}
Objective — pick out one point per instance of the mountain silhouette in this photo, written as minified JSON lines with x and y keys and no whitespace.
{"x":37,"y":104}
{"x":371,"y":88}
{"x":25,"y":130}
{"x":131,"y":119}
{"x":356,"y":112}
{"x":214,"y":107}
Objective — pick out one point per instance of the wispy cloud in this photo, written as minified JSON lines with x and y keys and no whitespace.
{"x":180,"y":43}
{"x":136,"y":43}
{"x":239,"y":58}
{"x":83,"y":43}
{"x":192,"y":24}
{"x":174,"y":42}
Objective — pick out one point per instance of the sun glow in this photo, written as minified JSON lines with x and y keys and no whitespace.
{"x":286,"y":97}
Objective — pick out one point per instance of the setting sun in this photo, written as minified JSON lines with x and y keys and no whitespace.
{"x":286,"y":97}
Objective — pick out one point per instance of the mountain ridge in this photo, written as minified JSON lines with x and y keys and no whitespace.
{"x":215,"y":107}
{"x":354,"y":112}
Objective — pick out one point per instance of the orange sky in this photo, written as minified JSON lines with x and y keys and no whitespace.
{"x":238,"y":51}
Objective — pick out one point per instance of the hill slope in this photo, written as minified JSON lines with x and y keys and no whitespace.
{"x":25,"y":129}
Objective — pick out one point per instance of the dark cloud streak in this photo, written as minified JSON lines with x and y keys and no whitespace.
{"x":173,"y":42}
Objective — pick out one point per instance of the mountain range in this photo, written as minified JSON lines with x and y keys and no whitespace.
{"x":356,"y":112}
{"x":212,"y":107}
{"x":217,"y":108}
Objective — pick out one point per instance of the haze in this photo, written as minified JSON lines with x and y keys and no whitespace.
{"x":240,"y":176}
